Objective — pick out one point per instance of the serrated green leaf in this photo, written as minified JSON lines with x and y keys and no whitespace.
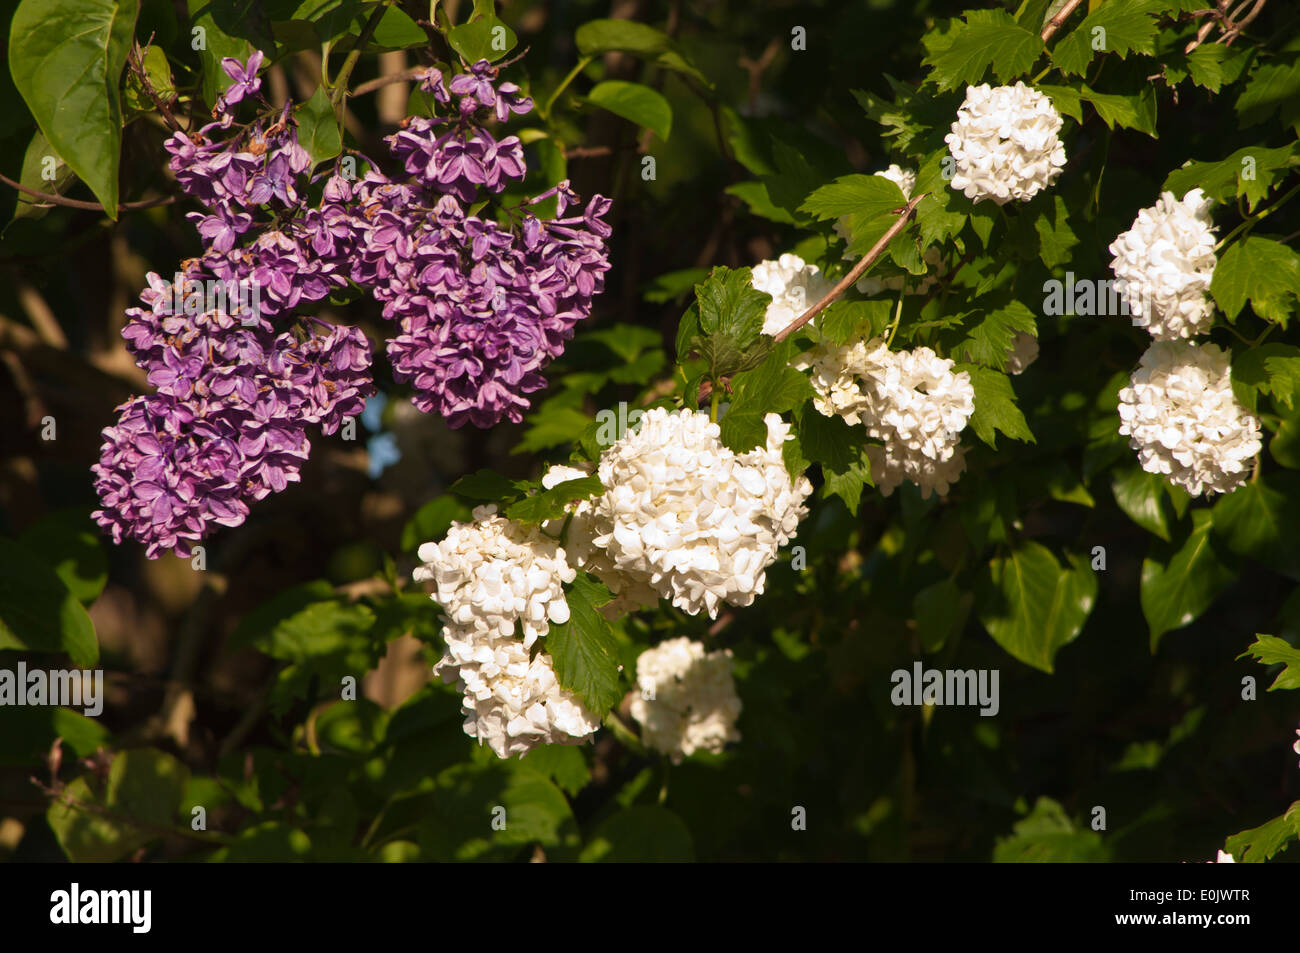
{"x":993,"y":339}
{"x":995,"y":406}
{"x":550,"y":504}
{"x":1119,"y":26}
{"x":583,"y":649}
{"x":1266,"y":841}
{"x":1251,"y":172}
{"x":987,"y":38}
{"x":1270,"y":650}
{"x":1261,"y":270}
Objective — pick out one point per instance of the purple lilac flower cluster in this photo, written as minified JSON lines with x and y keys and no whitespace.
{"x":228,"y":423}
{"x":481,"y":307}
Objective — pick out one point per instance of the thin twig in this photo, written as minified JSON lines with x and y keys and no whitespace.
{"x":54,"y":199}
{"x":904,"y":214}
{"x":1062,"y":15}
{"x":405,"y":76}
{"x":136,"y":59}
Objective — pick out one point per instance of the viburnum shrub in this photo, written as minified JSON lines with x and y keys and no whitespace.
{"x":894,"y":455}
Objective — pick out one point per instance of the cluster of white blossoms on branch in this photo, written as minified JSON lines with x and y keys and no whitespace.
{"x":1005,"y":143}
{"x":687,"y":700}
{"x":1164,"y":265}
{"x":911,"y":401}
{"x":794,"y":286}
{"x":685,"y":517}
{"x":1181,"y":416}
{"x":490,"y":575}
{"x":682,"y":517}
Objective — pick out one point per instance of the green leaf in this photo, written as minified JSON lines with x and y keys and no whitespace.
{"x":1034,"y":606}
{"x":847,"y":321}
{"x":256,"y":627}
{"x":144,"y":786}
{"x":1178,"y":585}
{"x":940,"y":611}
{"x":641,"y":834}
{"x":1261,"y":270}
{"x":1273,"y":87}
{"x":1269,"y":369}
{"x":1120,"y":26}
{"x":552,"y":427}
{"x":1141,"y":496}
{"x":35,"y":165}
{"x":67,"y":541}
{"x":993,"y":339}
{"x":1270,"y":650}
{"x":1266,"y":841}
{"x":725,"y":327}
{"x":1048,"y":835}
{"x":432,"y":520}
{"x":563,"y":764}
{"x":485,"y":486}
{"x":397,"y":31}
{"x":156,"y":68}
{"x":636,"y":103}
{"x":987,"y":38}
{"x":66,"y":58}
{"x":486,"y":38}
{"x":1250,"y":172}
{"x":1056,"y":239}
{"x":866,"y":196}
{"x":1130,"y":111}
{"x":995,"y":406}
{"x":220,"y":41}
{"x":550,"y":504}
{"x":583,"y":650}
{"x":37,"y":612}
{"x":318,"y":129}
{"x":1257,"y":520}
{"x":603,"y":36}
{"x":772,"y":387}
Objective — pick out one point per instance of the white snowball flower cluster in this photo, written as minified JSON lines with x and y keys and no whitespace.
{"x":685,"y":517}
{"x":1024,"y":351}
{"x":1181,"y":416}
{"x":911,"y":401}
{"x":490,"y":575}
{"x":794,"y":286}
{"x":1223,"y":858}
{"x":687,"y":700}
{"x":493,"y":572}
{"x":511,"y":702}
{"x":1164,"y":264}
{"x":1005,"y":143}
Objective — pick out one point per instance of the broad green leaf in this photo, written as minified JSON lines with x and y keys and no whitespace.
{"x":256,"y":627}
{"x":1056,"y":239}
{"x":1048,"y":835}
{"x":550,"y":504}
{"x":397,"y":30}
{"x":66,"y":58}
{"x":1251,"y":172}
{"x":67,"y":540}
{"x":643,"y":833}
{"x":1272,"y":87}
{"x":1258,"y":520}
{"x":38,"y":161}
{"x":1270,"y":650}
{"x":725,"y":326}
{"x":564,"y":764}
{"x":30,"y":730}
{"x":867,"y":196}
{"x":1269,"y":369}
{"x":220,"y":40}
{"x":987,"y":38}
{"x":1130,"y":111}
{"x":38,"y":612}
{"x":1261,"y":270}
{"x":993,"y":339}
{"x":318,"y":129}
{"x":486,"y":38}
{"x":144,"y":786}
{"x":847,"y":321}
{"x":995,"y":406}
{"x":432,"y":520}
{"x":602,"y":36}
{"x":485,"y":486}
{"x":940,"y":610}
{"x":1266,"y":841}
{"x":1178,"y":585}
{"x":1141,"y":496}
{"x":1119,"y":26}
{"x":1034,"y":606}
{"x":583,"y":650}
{"x":636,"y":103}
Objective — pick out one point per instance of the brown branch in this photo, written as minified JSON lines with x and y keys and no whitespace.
{"x":1062,"y":15}
{"x":136,"y":59}
{"x":55,"y":199}
{"x":405,"y":76}
{"x":904,"y":215}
